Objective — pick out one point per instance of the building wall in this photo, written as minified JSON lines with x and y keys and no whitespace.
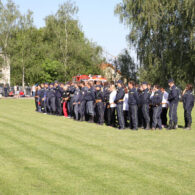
{"x":5,"y":72}
{"x":110,"y":74}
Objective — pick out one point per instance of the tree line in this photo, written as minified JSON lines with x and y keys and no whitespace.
{"x":163,"y":33}
{"x":57,"y":51}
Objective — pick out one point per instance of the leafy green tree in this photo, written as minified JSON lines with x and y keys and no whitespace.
{"x":162,"y":32}
{"x":126,"y":66}
{"x":9,"y":17}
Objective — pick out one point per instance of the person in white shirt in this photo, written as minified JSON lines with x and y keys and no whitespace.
{"x":126,"y":107}
{"x":165,"y":105}
{"x":112,"y":107}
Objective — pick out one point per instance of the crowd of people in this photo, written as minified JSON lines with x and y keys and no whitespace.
{"x":116,"y":104}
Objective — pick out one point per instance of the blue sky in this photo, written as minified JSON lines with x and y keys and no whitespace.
{"x":96,"y":18}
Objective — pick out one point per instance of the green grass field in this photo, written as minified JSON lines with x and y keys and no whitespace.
{"x":41,"y":154}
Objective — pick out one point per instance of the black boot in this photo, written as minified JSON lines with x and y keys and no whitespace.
{"x":188,"y":127}
{"x":174,"y":126}
{"x":170,"y":125}
{"x":147,"y":126}
{"x":91,"y":119}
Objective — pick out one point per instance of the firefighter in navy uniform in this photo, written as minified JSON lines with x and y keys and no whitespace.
{"x":99,"y":105}
{"x":42,"y":98}
{"x":119,"y":102}
{"x":82,"y":101}
{"x":188,"y":104}
{"x":173,"y":99}
{"x":52,"y":99}
{"x":156,"y":101}
{"x":58,"y":96}
{"x":90,"y":98}
{"x":76,"y":103}
{"x":145,"y":100}
{"x":133,"y":105}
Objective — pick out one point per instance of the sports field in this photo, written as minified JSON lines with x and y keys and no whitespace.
{"x":41,"y":154}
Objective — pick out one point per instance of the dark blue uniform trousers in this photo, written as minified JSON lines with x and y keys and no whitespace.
{"x":76,"y":111}
{"x":156,"y":118}
{"x":133,"y":116}
{"x":188,"y":117}
{"x":100,"y":112}
{"x":145,"y":112}
{"x":173,"y":113}
{"x":120,"y":116}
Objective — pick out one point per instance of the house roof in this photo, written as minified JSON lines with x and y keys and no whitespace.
{"x":103,"y":66}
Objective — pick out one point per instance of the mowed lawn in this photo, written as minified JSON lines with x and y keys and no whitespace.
{"x":41,"y":154}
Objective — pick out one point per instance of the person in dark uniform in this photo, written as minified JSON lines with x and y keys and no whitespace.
{"x":139,"y":111}
{"x":188,"y":104}
{"x":119,"y":102}
{"x":37,"y":98}
{"x":58,"y":96}
{"x":82,"y":100}
{"x":133,"y":102}
{"x":42,"y":98}
{"x":145,"y":99}
{"x":99,"y":98}
{"x":47,"y":105}
{"x":173,"y":99}
{"x":52,"y":99}
{"x":90,"y":98}
{"x":76,"y":103}
{"x":156,"y":102}
{"x":70,"y":101}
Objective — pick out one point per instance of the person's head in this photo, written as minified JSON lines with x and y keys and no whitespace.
{"x":131,"y":84}
{"x":149,"y":86}
{"x":98,"y":87}
{"x":162,"y":89}
{"x":51,"y":85}
{"x":91,"y":83}
{"x":46,"y":85}
{"x":82,"y":84}
{"x":119,"y":83}
{"x":62,"y":85}
{"x":171,"y":82}
{"x":112,"y":87}
{"x":189,"y":87}
{"x":65,"y":87}
{"x":38,"y":87}
{"x":98,"y":83}
{"x":88,"y":84}
{"x":156,"y":88}
{"x":144,"y":85}
{"x":76,"y":85}
{"x":55,"y":84}
{"x":126,"y":90}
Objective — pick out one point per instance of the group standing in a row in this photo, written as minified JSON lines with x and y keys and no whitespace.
{"x":132,"y":106}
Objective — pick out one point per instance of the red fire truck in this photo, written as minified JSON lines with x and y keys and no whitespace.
{"x":88,"y":78}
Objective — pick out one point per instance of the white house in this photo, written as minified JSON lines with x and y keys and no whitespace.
{"x":4,"y":70}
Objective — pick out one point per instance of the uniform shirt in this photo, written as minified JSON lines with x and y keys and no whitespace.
{"x":188,"y":100}
{"x":145,"y":97}
{"x":119,"y":96}
{"x":156,"y":99}
{"x":173,"y":95}
{"x":99,"y":95}
{"x":76,"y":95}
{"x":90,"y":95}
{"x":133,"y":97}
{"x":112,"y":98}
{"x":125,"y":102}
{"x":165,"y":102}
